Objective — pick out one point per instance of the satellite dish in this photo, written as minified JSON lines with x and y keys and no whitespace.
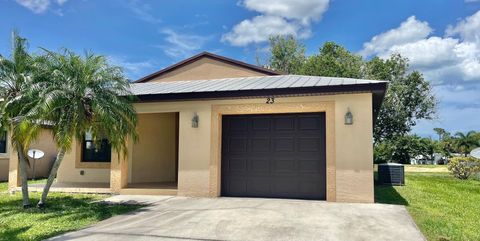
{"x":475,"y":152}
{"x":35,"y":153}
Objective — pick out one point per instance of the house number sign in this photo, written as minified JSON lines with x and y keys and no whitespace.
{"x":270,"y":100}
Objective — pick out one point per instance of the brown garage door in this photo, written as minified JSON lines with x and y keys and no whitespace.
{"x":278,"y":155}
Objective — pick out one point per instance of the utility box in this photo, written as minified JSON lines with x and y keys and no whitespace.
{"x":391,"y":174}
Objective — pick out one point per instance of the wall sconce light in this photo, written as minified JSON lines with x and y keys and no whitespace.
{"x":195,"y":120}
{"x":348,"y":117}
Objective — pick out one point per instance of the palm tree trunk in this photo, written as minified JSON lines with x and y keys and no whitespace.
{"x":51,"y":177}
{"x":23,"y":175}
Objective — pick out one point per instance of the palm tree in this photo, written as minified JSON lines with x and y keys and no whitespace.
{"x":16,"y":78}
{"x":442,"y":133}
{"x":466,"y":142}
{"x":79,"y":95}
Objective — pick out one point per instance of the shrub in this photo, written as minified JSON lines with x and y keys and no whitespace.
{"x":464,"y":167}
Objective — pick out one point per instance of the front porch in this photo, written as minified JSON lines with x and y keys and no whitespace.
{"x":151,"y":167}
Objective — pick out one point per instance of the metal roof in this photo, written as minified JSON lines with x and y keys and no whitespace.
{"x":256,"y":83}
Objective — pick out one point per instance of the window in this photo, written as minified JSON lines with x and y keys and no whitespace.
{"x":3,"y":142}
{"x":91,"y":153}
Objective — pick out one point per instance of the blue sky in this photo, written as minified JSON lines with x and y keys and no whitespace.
{"x":441,"y":37}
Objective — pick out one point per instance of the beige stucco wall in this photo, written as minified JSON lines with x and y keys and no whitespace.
{"x":69,"y":170}
{"x":204,"y":69}
{"x":4,"y":168}
{"x":155,"y":151}
{"x":353,"y":143}
{"x":354,"y":149}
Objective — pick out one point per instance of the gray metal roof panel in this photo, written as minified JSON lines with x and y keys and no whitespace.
{"x":314,"y":80}
{"x":243,"y":83}
{"x":234,"y":84}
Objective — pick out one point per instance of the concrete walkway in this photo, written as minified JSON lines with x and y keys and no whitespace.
{"x":181,"y":218}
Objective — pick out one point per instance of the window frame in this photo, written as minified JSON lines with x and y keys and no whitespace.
{"x":5,"y":137}
{"x":94,"y":159}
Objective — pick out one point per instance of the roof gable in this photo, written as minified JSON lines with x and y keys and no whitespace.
{"x":236,"y":67}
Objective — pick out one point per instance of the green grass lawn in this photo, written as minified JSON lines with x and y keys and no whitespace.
{"x":65,"y":212}
{"x":444,"y":208}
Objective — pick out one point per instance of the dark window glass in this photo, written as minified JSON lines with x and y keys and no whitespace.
{"x":3,"y":142}
{"x":91,"y":153}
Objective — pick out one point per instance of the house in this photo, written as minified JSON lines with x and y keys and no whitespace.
{"x":42,"y":166}
{"x":212,"y":126}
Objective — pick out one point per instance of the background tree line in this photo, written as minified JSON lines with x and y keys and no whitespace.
{"x":407,"y":147}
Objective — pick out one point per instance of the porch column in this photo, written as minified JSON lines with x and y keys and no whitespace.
{"x":119,"y":169}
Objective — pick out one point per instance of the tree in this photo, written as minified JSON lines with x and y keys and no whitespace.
{"x":466,"y":142}
{"x":333,"y":60}
{"x":409,"y":97}
{"x":80,"y":95}
{"x":16,"y":79}
{"x":410,"y":146}
{"x":442,"y":133}
{"x":287,"y":55}
{"x":383,"y":152}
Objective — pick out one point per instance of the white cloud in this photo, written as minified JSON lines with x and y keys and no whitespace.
{"x":41,"y":6}
{"x":132,"y":69}
{"x":409,"y":31}
{"x":61,"y":2}
{"x":181,"y":45}
{"x":36,"y":6}
{"x":426,"y":52}
{"x":277,"y":17}
{"x":143,"y":11}
{"x":259,"y":28}
{"x":444,"y":60}
{"x":468,"y":29}
{"x":304,"y":11}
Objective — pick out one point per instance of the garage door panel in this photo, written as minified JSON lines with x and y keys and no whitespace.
{"x":309,"y":144}
{"x":286,"y":123}
{"x":310,"y":166}
{"x":283,"y":144}
{"x":309,"y":123}
{"x":238,"y":124}
{"x":237,"y":165}
{"x":259,"y":165}
{"x":279,"y":155}
{"x":260,"y":144}
{"x":237,"y":186}
{"x":261,"y":124}
{"x":284,"y":166}
{"x":285,"y":187}
{"x":237,"y":144}
{"x":258,"y":186}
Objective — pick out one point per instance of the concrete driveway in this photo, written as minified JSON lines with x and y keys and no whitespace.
{"x":181,"y":218}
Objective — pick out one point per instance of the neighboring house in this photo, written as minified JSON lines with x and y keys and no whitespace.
{"x":42,"y":166}
{"x":212,"y":126}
